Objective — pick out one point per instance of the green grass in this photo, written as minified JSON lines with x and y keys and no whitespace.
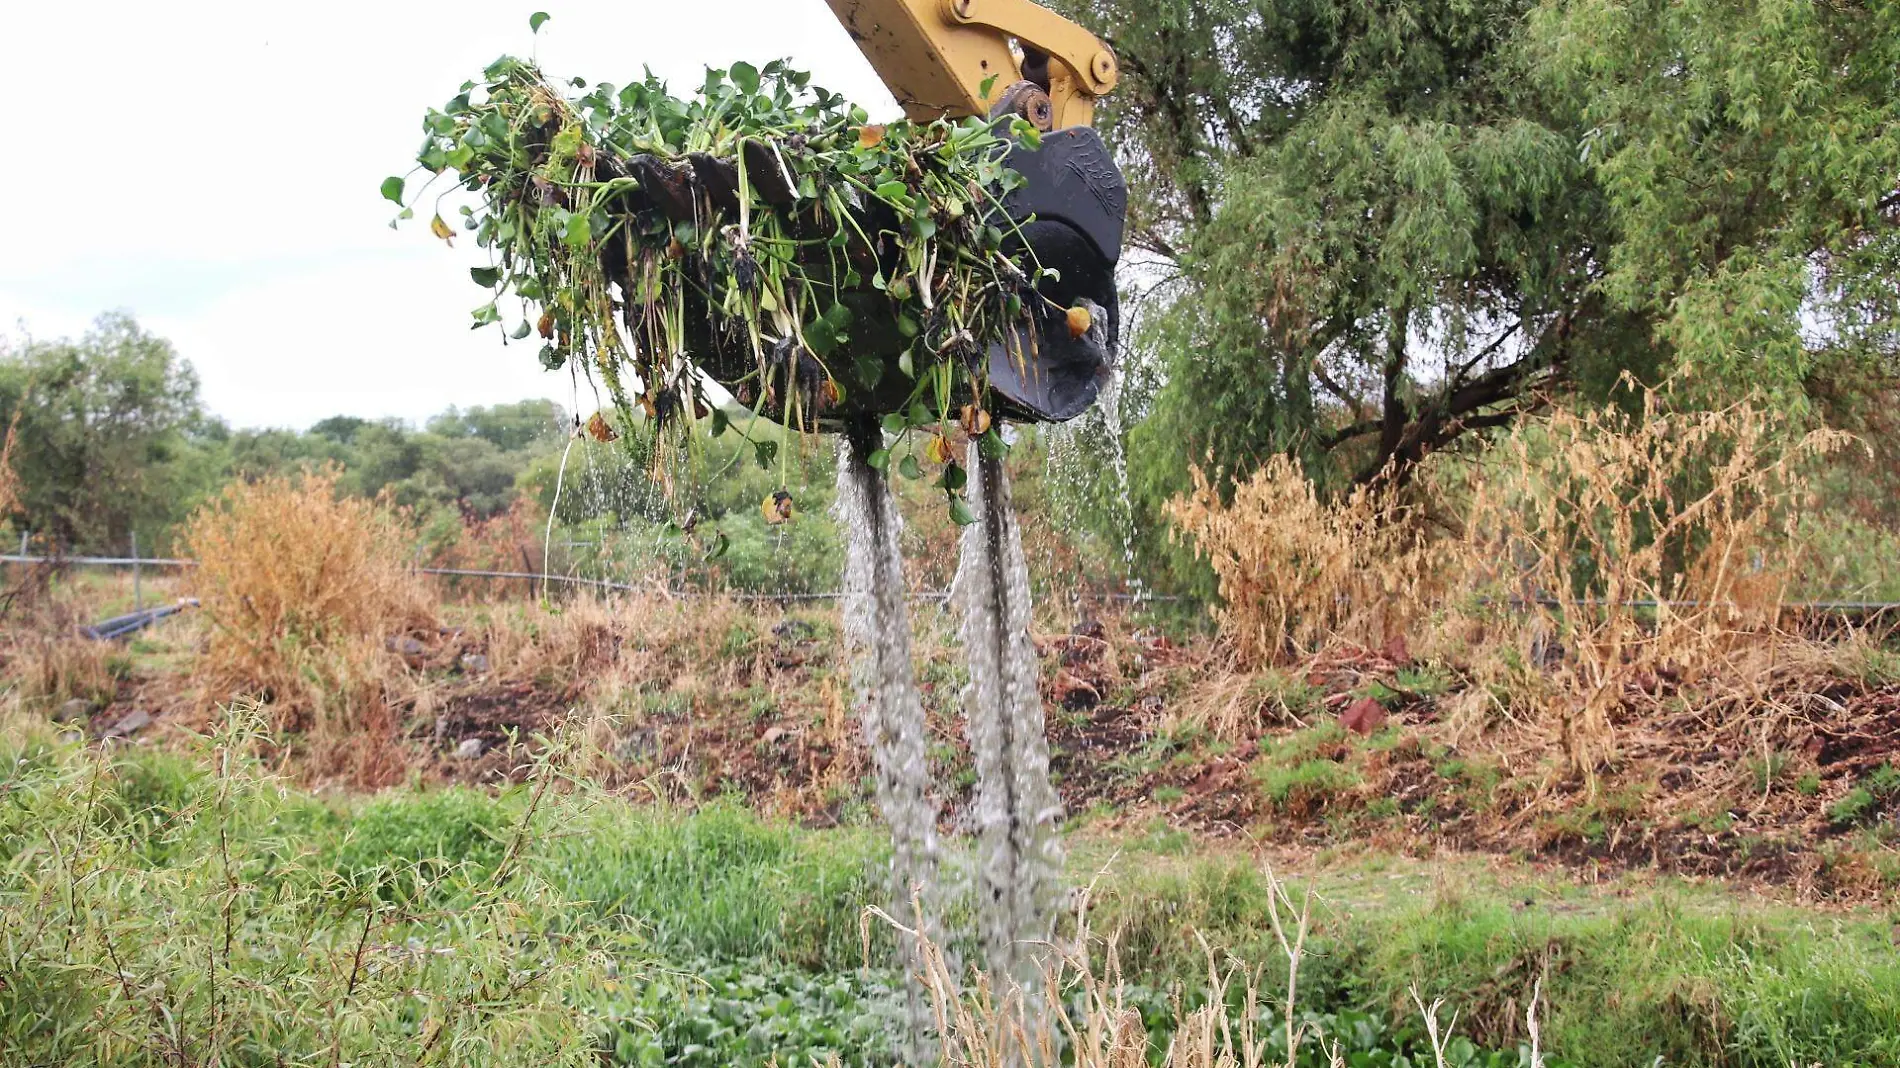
{"x":1687,"y":975}
{"x":580,"y":929}
{"x":1868,"y":799}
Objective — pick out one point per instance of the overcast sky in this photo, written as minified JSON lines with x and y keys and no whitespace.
{"x":213,"y":168}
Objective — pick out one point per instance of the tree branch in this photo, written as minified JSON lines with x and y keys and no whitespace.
{"x":1392,"y":426}
{"x":1486,"y":352}
{"x":1170,"y":97}
{"x":1347,"y":397}
{"x":1332,"y":439}
{"x":1471,"y":405}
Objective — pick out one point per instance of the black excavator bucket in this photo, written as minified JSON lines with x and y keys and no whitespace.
{"x":1070,"y":213}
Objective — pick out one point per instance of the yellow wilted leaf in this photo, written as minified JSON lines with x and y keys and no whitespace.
{"x":938,"y":450}
{"x":546,"y":325}
{"x":976,"y":421}
{"x":441,"y":229}
{"x":870,"y":136}
{"x":600,"y":429}
{"x":1079,"y":321}
{"x":776,"y":508}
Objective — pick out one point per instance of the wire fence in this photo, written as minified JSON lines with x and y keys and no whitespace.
{"x":937,"y":596}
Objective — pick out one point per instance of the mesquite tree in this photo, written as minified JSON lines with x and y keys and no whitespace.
{"x":1380,"y":226}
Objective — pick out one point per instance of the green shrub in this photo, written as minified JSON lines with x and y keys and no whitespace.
{"x":713,"y":1014}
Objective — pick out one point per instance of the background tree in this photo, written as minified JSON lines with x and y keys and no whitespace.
{"x":1383,"y":234}
{"x":1749,"y":154}
{"x":1369,"y":229}
{"x":112,"y":435}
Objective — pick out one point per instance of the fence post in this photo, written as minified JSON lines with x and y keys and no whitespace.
{"x":138,"y":591}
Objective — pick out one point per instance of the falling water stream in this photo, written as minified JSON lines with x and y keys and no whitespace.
{"x":877,"y":636}
{"x":1019,"y":859}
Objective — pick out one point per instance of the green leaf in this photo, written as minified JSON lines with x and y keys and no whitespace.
{"x":485,"y":276}
{"x":955,"y":477}
{"x":392,"y":189}
{"x":879,"y":459}
{"x":870,"y":371}
{"x":720,"y":422}
{"x":909,"y":467}
{"x":920,"y":415}
{"x":960,"y":513}
{"x":765,"y":452}
{"x":746,"y":77}
{"x":577,"y":232}
{"x":894,"y":191}
{"x":988,"y":86}
{"x":521,"y":332}
{"x":894,"y":423}
{"x":991,"y":445}
{"x":535,"y":21}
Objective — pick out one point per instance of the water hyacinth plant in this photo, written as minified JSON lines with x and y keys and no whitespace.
{"x":762,"y":235}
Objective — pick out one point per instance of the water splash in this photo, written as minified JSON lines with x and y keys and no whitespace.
{"x":877,"y":637}
{"x":1019,"y":860}
{"x":1116,"y":431}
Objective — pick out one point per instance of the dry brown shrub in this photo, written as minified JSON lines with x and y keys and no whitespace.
{"x":9,"y":479}
{"x":1616,"y":548}
{"x":307,"y":591}
{"x":1597,"y":553}
{"x":1298,"y":571}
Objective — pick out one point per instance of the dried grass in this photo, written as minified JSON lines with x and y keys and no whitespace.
{"x":1298,"y":572}
{"x":1078,"y":1015}
{"x":1626,"y":548}
{"x":43,"y":658}
{"x":1593,"y":554}
{"x":307,"y":591}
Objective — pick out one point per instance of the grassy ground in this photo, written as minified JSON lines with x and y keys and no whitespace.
{"x":690,"y":888}
{"x":192,"y":909}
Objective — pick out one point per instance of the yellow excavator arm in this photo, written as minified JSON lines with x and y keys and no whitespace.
{"x":955,"y":57}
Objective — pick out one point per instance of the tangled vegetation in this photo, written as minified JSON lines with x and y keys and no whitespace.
{"x":763,"y":235}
